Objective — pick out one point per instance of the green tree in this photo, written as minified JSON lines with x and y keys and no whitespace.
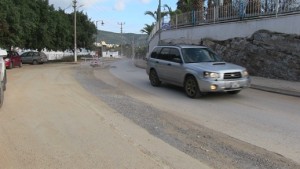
{"x":63,"y":36}
{"x":10,"y":23}
{"x":86,"y":29}
{"x":37,"y":25}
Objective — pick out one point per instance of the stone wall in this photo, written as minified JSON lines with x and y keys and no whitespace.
{"x":265,"y":54}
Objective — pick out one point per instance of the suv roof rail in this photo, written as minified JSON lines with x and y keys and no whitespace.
{"x":181,"y":45}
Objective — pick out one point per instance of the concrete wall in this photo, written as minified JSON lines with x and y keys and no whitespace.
{"x":289,"y":24}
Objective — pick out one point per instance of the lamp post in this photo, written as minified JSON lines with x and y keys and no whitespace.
{"x":159,"y":22}
{"x":102,"y":23}
{"x":75,"y":37}
{"x":75,"y":45}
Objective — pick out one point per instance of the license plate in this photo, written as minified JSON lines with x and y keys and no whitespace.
{"x":235,"y":85}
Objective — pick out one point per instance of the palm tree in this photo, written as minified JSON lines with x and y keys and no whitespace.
{"x":170,"y":11}
{"x":172,"y":14}
{"x":184,"y":5}
{"x":148,"y":28}
{"x":194,"y":6}
{"x":227,"y":2}
{"x":152,"y":14}
{"x":190,"y":5}
{"x":155,"y":14}
{"x":198,"y":5}
{"x":253,"y":7}
{"x":225,"y":9}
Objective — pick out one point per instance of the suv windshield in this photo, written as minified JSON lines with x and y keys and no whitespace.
{"x":196,"y":55}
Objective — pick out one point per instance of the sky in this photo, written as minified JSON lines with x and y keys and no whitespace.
{"x":129,"y":13}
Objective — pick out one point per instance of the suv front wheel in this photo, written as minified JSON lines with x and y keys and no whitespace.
{"x":154,"y":80}
{"x":191,"y":87}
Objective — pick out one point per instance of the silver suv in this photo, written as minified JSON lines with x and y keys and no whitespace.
{"x":196,"y":68}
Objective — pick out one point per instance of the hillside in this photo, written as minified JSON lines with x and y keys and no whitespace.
{"x":115,"y":38}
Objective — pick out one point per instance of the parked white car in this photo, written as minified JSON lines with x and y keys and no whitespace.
{"x":3,"y":78}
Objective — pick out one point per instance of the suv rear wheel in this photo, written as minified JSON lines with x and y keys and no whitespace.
{"x":154,"y":80}
{"x":191,"y":87}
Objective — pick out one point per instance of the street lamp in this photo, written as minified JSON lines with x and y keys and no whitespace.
{"x":75,"y":38}
{"x":102,"y":23}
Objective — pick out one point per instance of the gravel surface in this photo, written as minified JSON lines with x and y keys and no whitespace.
{"x":213,"y":148}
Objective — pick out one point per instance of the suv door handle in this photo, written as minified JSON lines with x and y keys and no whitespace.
{"x":156,"y":61}
{"x":169,"y":64}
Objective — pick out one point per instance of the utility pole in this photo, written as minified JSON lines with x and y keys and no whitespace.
{"x":121,"y":23}
{"x":75,"y":38}
{"x":159,"y":22}
{"x":133,"y":48}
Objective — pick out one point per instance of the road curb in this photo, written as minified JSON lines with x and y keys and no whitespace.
{"x":276,"y":90}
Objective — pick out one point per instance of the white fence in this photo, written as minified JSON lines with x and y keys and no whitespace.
{"x":234,"y":12}
{"x":57,"y":55}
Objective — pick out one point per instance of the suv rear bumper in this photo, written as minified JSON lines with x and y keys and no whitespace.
{"x":209,"y":85}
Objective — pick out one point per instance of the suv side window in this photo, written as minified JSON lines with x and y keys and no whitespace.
{"x":165,"y":54}
{"x":175,"y":55}
{"x":155,"y":52}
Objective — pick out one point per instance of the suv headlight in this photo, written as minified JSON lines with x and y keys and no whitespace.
{"x":213,"y":75}
{"x":7,"y":59}
{"x":245,"y":73}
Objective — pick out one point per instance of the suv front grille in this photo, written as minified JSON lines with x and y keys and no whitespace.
{"x":233,"y":75}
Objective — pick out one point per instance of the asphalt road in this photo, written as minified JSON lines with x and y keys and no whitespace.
{"x":266,"y":120}
{"x":78,"y":116}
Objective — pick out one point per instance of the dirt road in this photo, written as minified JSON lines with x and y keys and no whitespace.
{"x":49,"y":121}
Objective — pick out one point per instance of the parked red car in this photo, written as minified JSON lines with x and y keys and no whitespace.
{"x":12,"y":59}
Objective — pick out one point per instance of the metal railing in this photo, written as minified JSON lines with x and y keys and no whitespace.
{"x":237,"y":10}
